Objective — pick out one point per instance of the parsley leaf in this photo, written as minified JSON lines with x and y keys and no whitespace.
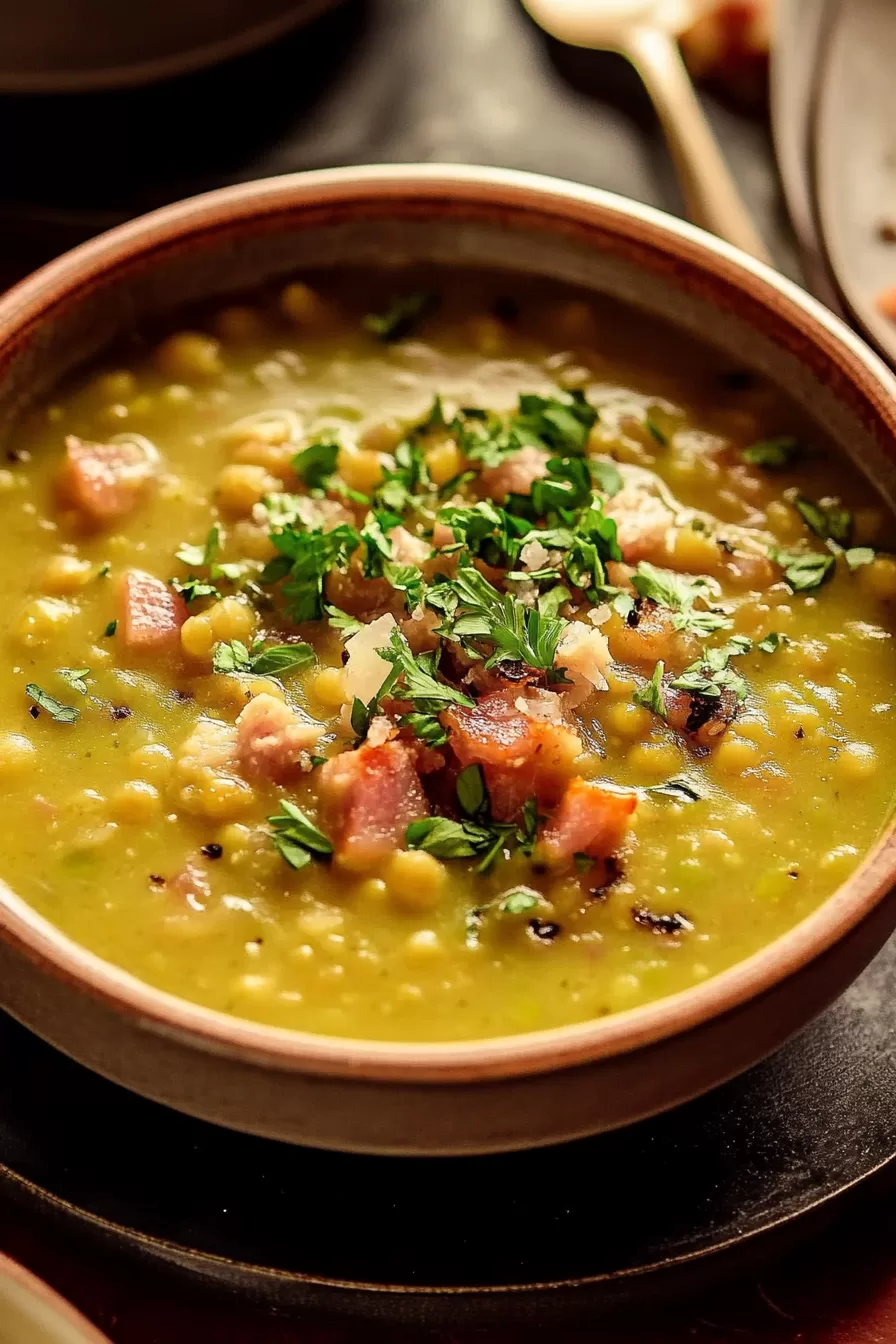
{"x":828,"y":521}
{"x":773,"y":453}
{"x":415,"y":677}
{"x":193,"y":588}
{"x":204,"y":554}
{"x":804,"y":570}
{"x":650,"y":695}
{"x":341,"y":621}
{"x":771,"y":642}
{"x":679,"y":592}
{"x":316,"y":463}
{"x":377,"y":544}
{"x":58,"y":712}
{"x":401,"y":318}
{"x":710,"y":675}
{"x":295,"y":838}
{"x":448,"y":839}
{"x":858,"y":556}
{"x":110,"y":630}
{"x":75,"y":677}
{"x":605,"y":475}
{"x":427,"y":727}
{"x":561,"y":423}
{"x":275,"y":660}
{"x":518,"y":901}
{"x":405,"y":579}
{"x":305,"y":560}
{"x":472,"y":795}
{"x":516,"y":633}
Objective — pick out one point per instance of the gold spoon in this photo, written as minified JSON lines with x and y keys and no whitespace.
{"x":645,"y":31}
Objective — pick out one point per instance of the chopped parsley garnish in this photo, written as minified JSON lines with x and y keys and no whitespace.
{"x":561,"y":423}
{"x":401,"y":318}
{"x":427,"y":727}
{"x":305,"y":559}
{"x":804,"y":570}
{"x":711,"y":674}
{"x":193,"y":588}
{"x":483,"y":615}
{"x":606,"y":476}
{"x":448,"y":839}
{"x":274,"y":661}
{"x":295,"y":838}
{"x":831,"y":522}
{"x":341,"y":621}
{"x":773,"y":453}
{"x":472,"y":795}
{"x":650,"y":695}
{"x":413,"y":678}
{"x":858,"y":556}
{"x":377,"y":545}
{"x":203,"y":555}
{"x":516,"y":901}
{"x":679,"y":592}
{"x":772,"y":641}
{"x":74,"y":677}
{"x":316,"y":463}
{"x":104,"y":570}
{"x":110,"y":629}
{"x":58,"y":712}
{"x":477,"y":835}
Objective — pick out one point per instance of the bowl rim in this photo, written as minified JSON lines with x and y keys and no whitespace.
{"x":140,"y":72}
{"x":60,"y":283}
{"x":38,"y":1292}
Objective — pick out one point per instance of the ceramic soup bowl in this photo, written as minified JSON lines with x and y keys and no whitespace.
{"x":485,"y":1095}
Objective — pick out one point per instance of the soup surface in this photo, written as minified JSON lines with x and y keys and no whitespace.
{"x":476,"y":661}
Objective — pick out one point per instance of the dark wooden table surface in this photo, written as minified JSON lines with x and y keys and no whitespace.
{"x":402,"y":80}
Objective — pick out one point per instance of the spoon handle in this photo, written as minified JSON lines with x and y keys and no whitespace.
{"x":711,"y":196}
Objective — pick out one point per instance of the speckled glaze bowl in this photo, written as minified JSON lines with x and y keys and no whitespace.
{"x":31,"y":1313}
{"x":475,"y":1096}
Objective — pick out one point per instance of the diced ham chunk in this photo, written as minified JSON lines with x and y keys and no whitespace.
{"x":271,"y":737}
{"x":152,"y":613}
{"x":591,"y":819}
{"x":515,"y":474}
{"x":642,"y":521}
{"x":521,"y":757}
{"x":105,"y":480}
{"x":368,"y":798}
{"x":649,"y":636}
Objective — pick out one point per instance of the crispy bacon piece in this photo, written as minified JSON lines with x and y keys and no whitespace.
{"x":648,"y":636}
{"x":591,"y":818}
{"x":270,"y":738}
{"x":515,"y":474}
{"x":521,"y":757}
{"x":702,"y":718}
{"x":152,"y":613}
{"x":105,"y":480}
{"x":368,"y":799}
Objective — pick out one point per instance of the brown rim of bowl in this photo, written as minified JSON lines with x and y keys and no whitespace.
{"x":698,"y":263}
{"x":12,"y":1271}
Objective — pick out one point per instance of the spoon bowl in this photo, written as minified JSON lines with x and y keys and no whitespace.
{"x":645,"y":31}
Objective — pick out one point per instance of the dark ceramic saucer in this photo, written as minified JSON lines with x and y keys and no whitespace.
{"x":623,"y":1216}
